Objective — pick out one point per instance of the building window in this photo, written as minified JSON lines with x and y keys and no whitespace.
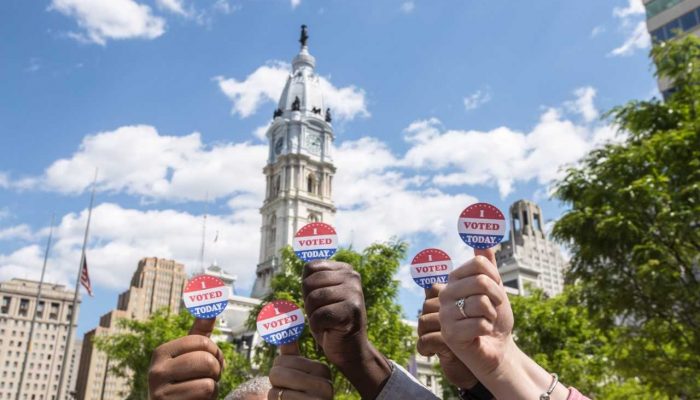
{"x":313,"y":217}
{"x":69,"y":314}
{"x":54,"y":311}
{"x":40,"y":310}
{"x":273,"y":230}
{"x":276,"y":187}
{"x":5,"y":305}
{"x":684,"y":23}
{"x":311,"y":184}
{"x":23,"y":307}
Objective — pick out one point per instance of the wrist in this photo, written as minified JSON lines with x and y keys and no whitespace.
{"x":520,"y":377}
{"x":367,"y":373}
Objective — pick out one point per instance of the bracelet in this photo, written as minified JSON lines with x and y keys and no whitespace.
{"x":555,"y":380}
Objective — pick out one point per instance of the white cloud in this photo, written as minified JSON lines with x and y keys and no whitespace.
{"x":597,"y":31}
{"x":110,"y":19}
{"x":21,"y":232}
{"x":408,"y":6}
{"x":266,"y":83}
{"x":477,"y":99}
{"x":503,"y":156}
{"x":261,"y":131}
{"x":120,"y":237}
{"x":139,"y":161}
{"x":636,"y":40}
{"x":173,"y":6}
{"x":633,"y":24}
{"x":295,"y":3}
{"x":584,"y":103}
{"x":634,"y":7}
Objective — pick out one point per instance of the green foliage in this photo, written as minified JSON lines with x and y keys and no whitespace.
{"x":129,"y":352}
{"x":633,"y":228}
{"x":562,"y":336}
{"x":377,"y":265}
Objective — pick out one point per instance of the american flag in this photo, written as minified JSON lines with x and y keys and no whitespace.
{"x":85,"y":277}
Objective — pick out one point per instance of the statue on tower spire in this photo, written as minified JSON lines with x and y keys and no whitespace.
{"x":304,"y":36}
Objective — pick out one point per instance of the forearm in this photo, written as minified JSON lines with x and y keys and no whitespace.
{"x":520,"y":377}
{"x":368,"y":373}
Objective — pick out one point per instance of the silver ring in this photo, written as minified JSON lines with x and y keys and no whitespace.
{"x":279,"y":394}
{"x":460,"y":306}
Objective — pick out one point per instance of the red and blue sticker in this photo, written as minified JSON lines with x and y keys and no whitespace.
{"x":430,"y":266}
{"x":481,"y":225}
{"x":280,"y":322}
{"x":206,"y":296}
{"x":315,"y":241}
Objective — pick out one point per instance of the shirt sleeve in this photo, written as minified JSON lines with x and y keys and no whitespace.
{"x":576,"y":395}
{"x":402,"y":385}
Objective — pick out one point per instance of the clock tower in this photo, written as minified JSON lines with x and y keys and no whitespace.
{"x":299,"y":171}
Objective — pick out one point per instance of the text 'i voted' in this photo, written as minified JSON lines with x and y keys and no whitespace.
{"x":206,"y":296}
{"x":315,"y":241}
{"x":430,"y":266}
{"x":481,"y":225}
{"x":280,"y":322}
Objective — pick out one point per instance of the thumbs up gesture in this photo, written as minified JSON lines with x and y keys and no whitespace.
{"x":188,"y":367}
{"x":295,"y":377}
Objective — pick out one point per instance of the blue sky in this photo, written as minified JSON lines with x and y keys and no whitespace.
{"x":438,"y":104}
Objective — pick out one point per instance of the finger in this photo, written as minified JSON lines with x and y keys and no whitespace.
{"x":477,"y":265}
{"x":289,"y":349}
{"x":325,"y":278}
{"x":465,"y":330}
{"x":471,"y":286}
{"x":203,"y":327}
{"x":431,"y":305}
{"x":200,"y":389}
{"x":428,"y":323}
{"x":322,"y":265}
{"x":326,"y":295}
{"x":303,"y":364}
{"x":288,"y":378}
{"x":479,"y":306}
{"x":332,"y":316}
{"x":489,"y":253}
{"x":187,"y":344}
{"x":431,"y":343}
{"x":434,"y":290}
{"x":193,"y":365}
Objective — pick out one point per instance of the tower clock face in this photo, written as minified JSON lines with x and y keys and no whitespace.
{"x":279,"y":144}
{"x":313,"y":142}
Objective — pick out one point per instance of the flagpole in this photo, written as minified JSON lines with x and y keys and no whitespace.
{"x":75,"y":294}
{"x":36,"y":310}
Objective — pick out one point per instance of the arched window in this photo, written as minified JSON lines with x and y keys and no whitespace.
{"x":310,"y":183}
{"x":313,"y":217}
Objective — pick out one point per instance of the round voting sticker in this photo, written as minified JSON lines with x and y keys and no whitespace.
{"x":206,"y":296}
{"x":430,"y":266}
{"x":315,"y":241}
{"x":280,"y":322}
{"x":481,"y":225}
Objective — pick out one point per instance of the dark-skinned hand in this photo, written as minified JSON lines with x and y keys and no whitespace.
{"x":298,"y":378}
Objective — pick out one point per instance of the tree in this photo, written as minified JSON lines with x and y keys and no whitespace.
{"x":377,"y":265}
{"x":634,"y":229}
{"x":129,"y":352}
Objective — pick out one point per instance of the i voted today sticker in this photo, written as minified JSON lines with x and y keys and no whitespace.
{"x":206,"y":296}
{"x":280,"y":322}
{"x":430,"y":266}
{"x":315,"y":241}
{"x":481,"y":225}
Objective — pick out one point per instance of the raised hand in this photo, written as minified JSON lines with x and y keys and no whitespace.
{"x":431,"y":342}
{"x":187,"y":368}
{"x":480,"y":334}
{"x":295,"y":377}
{"x":335,"y":307}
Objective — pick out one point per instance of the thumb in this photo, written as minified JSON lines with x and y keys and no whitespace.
{"x":289,"y":349}
{"x":490,"y":254}
{"x":203,"y":327}
{"x":434,"y":290}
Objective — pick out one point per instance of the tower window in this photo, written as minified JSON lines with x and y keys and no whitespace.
{"x":313,"y":217}
{"x":276,"y":187}
{"x":273,"y":230}
{"x":310,"y":184}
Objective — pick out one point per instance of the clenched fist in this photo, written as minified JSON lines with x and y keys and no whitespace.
{"x":187,"y":368}
{"x":335,"y":307}
{"x":431,"y":342}
{"x":295,"y":377}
